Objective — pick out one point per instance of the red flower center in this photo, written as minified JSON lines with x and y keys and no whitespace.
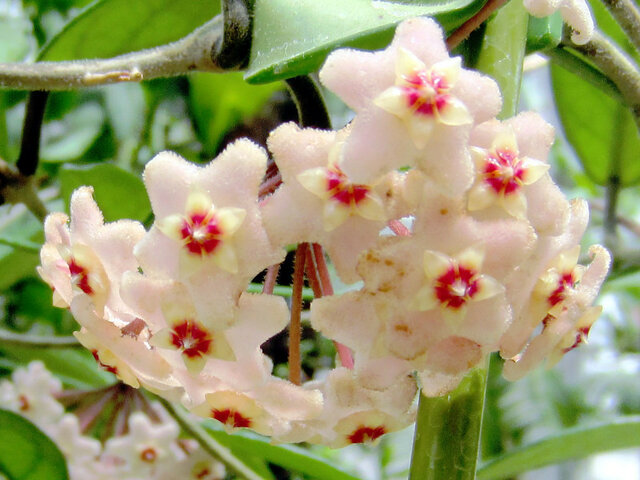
{"x":581,"y":335}
{"x":201,"y":233}
{"x":104,"y":366}
{"x":456,"y":286}
{"x":366,"y":434}
{"x":426,"y":92}
{"x":342,"y":190}
{"x":24,"y":403}
{"x":231,"y":418}
{"x":149,"y":455}
{"x":79,"y":276}
{"x":503,"y":171}
{"x":565,"y":282}
{"x":191,"y":339}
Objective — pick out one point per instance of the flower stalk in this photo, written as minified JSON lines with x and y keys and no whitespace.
{"x":447,"y":434}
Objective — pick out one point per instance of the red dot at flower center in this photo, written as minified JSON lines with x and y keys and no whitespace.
{"x":149,"y":455}
{"x":366,"y":434}
{"x":457,"y":286}
{"x":581,"y":335}
{"x":426,"y":92}
{"x":79,"y":276}
{"x":201,"y":233}
{"x":342,"y":190}
{"x":191,"y":339}
{"x":104,"y":366}
{"x":565,"y":282}
{"x":231,"y":418}
{"x":504,"y":172}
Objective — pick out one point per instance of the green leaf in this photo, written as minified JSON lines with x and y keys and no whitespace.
{"x":67,"y":139}
{"x":600,"y":129}
{"x":118,"y":193}
{"x":15,"y":31}
{"x":220,"y":102}
{"x":293,"y":37}
{"x":26,"y":453}
{"x":289,"y":457}
{"x":112,"y":27}
{"x":569,"y":445}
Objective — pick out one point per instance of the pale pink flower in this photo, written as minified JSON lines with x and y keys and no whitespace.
{"x":570,"y":313}
{"x":319,"y":203}
{"x":414,"y":106}
{"x":208,"y":227}
{"x":511,"y":173}
{"x":87,"y":257}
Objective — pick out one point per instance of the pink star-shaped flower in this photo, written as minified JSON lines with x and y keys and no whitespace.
{"x":319,"y":203}
{"x":414,"y":106}
{"x":208,"y":227}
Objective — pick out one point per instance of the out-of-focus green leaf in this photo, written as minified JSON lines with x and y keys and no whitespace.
{"x":74,"y":367}
{"x":15,"y":31}
{"x":118,"y":193}
{"x":569,"y":445}
{"x":26,"y":453}
{"x":287,"y":456}
{"x":600,"y":129}
{"x":220,"y":102}
{"x":125,"y":104}
{"x":293,"y":37}
{"x":112,"y":27}
{"x":67,"y":139}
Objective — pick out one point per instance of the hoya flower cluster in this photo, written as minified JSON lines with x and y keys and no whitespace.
{"x":447,"y":217}
{"x":148,"y":448}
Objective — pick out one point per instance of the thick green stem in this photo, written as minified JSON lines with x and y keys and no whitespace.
{"x":447,"y":437}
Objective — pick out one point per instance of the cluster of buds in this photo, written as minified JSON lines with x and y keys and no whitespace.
{"x":143,"y":445}
{"x":444,"y":221}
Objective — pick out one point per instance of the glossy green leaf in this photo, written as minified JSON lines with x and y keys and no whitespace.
{"x":220,"y":102}
{"x":600,"y":129}
{"x":293,"y":37}
{"x":568,"y":445}
{"x":67,"y":139}
{"x":118,"y":193}
{"x":26,"y":453}
{"x":112,"y":27}
{"x":290,"y":457}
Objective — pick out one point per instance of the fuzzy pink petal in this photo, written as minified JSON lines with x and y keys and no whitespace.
{"x":168,"y":178}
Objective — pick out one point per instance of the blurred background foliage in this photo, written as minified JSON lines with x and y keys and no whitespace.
{"x":104,"y":136}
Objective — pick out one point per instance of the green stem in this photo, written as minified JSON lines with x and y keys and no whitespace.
{"x":26,"y":340}
{"x":573,"y":63}
{"x":447,"y":437}
{"x":208,"y":443}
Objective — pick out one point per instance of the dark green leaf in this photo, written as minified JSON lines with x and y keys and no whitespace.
{"x":290,"y":457}
{"x":569,"y":445}
{"x":220,"y":102}
{"x":112,"y":27}
{"x":600,"y":129}
{"x":26,"y":453}
{"x":293,"y":37}
{"x":118,"y":193}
